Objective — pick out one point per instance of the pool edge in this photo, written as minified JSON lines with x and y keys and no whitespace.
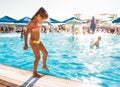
{"x":22,"y":77}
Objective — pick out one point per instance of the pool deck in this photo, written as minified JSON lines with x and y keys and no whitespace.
{"x":14,"y":77}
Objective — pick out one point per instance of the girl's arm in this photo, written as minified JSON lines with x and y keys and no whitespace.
{"x":26,"y":36}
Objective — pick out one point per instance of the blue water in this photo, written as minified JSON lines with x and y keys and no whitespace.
{"x":69,"y":57}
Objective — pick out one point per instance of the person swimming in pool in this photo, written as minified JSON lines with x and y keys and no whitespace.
{"x":95,"y":43}
{"x":36,"y":44}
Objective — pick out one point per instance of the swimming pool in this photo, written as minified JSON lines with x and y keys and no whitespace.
{"x":69,"y":57}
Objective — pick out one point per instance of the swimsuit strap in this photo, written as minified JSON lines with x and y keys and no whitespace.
{"x":34,"y":27}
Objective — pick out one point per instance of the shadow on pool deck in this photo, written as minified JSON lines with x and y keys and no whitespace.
{"x":30,"y":82}
{"x":24,"y":78}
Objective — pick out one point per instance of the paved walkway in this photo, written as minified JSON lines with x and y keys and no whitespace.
{"x":4,"y":83}
{"x":14,"y":77}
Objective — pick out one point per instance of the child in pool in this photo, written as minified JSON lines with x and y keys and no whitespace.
{"x":95,"y":43}
{"x":35,"y":43}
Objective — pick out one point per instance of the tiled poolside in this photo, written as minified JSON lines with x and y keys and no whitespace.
{"x":14,"y":77}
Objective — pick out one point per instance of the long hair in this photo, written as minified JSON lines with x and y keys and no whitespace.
{"x":42,"y":12}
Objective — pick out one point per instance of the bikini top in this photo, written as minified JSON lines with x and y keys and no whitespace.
{"x":36,"y":28}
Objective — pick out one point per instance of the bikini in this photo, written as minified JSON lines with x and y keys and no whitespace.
{"x":35,"y":29}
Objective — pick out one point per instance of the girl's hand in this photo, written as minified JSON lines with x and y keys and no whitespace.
{"x":25,"y":47}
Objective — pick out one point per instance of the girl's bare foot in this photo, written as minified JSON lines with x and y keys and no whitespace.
{"x":45,"y":67}
{"x":36,"y":75}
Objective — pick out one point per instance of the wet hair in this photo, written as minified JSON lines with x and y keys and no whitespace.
{"x":42,"y":12}
{"x":99,"y":37}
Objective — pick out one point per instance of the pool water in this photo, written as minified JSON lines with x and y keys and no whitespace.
{"x":69,"y":57}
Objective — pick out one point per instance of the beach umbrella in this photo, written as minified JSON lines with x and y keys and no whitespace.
{"x":73,"y":21}
{"x":24,"y":20}
{"x":93,"y":25}
{"x":54,"y":20}
{"x":116,"y":20}
{"x":51,"y":20}
{"x":7,"y":19}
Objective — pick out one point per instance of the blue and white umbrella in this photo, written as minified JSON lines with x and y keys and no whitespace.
{"x":116,"y":20}
{"x":7,"y":19}
{"x":73,"y":21}
{"x":24,"y":20}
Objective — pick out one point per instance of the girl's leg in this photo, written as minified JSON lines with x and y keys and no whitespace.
{"x":37,"y":58}
{"x":44,"y":58}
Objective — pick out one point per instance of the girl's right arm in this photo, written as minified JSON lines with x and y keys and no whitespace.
{"x":26,"y":36}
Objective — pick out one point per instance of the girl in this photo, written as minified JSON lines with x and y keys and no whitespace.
{"x":35,"y":43}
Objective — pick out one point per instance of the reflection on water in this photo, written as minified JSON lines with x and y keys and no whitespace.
{"x":69,"y":57}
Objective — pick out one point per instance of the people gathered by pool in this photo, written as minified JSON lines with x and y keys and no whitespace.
{"x":80,"y":29}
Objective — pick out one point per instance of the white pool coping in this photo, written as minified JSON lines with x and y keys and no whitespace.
{"x":24,"y":78}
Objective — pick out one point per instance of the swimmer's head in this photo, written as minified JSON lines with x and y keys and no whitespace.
{"x":99,"y":38}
